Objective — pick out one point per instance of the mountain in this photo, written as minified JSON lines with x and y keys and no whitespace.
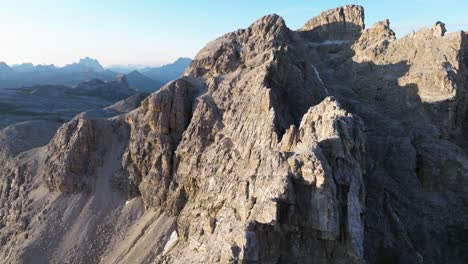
{"x":167,"y":72}
{"x":84,"y":65}
{"x":150,"y":79}
{"x":333,"y":143}
{"x":125,"y":69}
{"x":4,"y":68}
{"x":45,"y":68}
{"x":24,"y":67}
{"x":115,"y":90}
{"x":26,"y":75}
{"x":140,"y":82}
{"x":31,"y":68}
{"x":59,"y":103}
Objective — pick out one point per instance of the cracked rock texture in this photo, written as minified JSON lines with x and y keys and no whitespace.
{"x":329,"y":144}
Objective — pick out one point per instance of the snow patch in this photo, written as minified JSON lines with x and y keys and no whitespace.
{"x":319,"y":78}
{"x":171,"y":242}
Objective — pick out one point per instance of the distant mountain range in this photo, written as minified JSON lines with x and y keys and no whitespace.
{"x":4,"y":68}
{"x":86,"y":64}
{"x":59,"y":102}
{"x":141,"y":82}
{"x":167,"y":72}
{"x":150,"y":79}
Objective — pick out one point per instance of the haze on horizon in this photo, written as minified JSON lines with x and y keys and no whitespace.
{"x":154,"y":32}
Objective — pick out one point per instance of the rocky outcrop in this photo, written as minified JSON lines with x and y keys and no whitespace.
{"x":411,"y":95}
{"x":156,"y":129}
{"x":19,"y":145}
{"x":343,"y":23}
{"x":271,"y":170}
{"x":297,"y":186}
{"x":74,"y":154}
{"x":373,"y":41}
{"x":331,"y":144}
{"x":436,"y":84}
{"x":438,"y":30}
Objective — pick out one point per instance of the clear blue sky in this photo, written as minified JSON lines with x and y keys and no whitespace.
{"x":152,"y":32}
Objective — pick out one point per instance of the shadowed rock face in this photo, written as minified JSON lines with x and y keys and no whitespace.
{"x":331,"y":144}
{"x":74,"y":154}
{"x":343,"y":23}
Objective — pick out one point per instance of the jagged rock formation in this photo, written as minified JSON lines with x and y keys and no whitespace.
{"x":75,"y":153}
{"x":27,"y":206}
{"x":343,"y":23}
{"x":330,"y":144}
{"x":84,"y":65}
{"x":26,"y":75}
{"x":411,"y":95}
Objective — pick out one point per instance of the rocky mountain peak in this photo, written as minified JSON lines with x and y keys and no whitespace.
{"x":84,"y":65}
{"x":272,"y":25}
{"x":4,"y":67}
{"x":343,"y":23}
{"x":439,"y":29}
{"x":91,"y":63}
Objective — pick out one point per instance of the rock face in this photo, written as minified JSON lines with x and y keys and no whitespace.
{"x":331,"y":144}
{"x":439,"y":29}
{"x":18,"y":162}
{"x":155,"y":131}
{"x":278,"y":177}
{"x":411,"y":95}
{"x":75,"y":153}
{"x":343,"y":23}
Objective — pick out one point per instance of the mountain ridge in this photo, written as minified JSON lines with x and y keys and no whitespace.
{"x":335,"y":143}
{"x":27,"y":74}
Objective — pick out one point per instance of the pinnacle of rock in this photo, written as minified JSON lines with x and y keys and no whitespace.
{"x":439,"y":29}
{"x":343,"y":23}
